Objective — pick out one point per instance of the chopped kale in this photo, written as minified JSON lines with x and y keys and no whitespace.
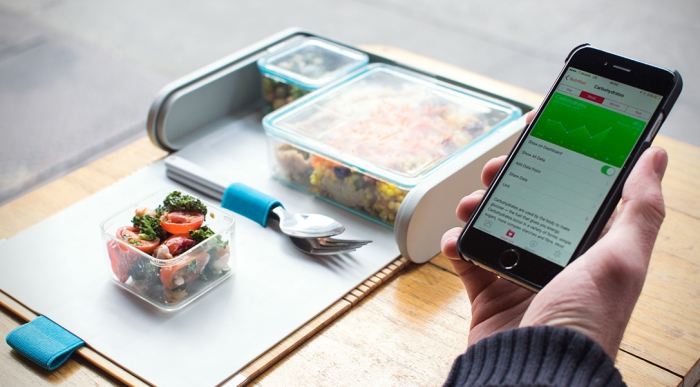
{"x":296,"y":92}
{"x":177,"y":201}
{"x":220,"y":243}
{"x":191,"y":267}
{"x":209,"y":273}
{"x":143,"y":269}
{"x":149,"y":227}
{"x":203,"y":233}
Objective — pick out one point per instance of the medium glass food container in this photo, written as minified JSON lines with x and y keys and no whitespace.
{"x":365,"y":142}
{"x":308,"y":65}
{"x":170,"y":284}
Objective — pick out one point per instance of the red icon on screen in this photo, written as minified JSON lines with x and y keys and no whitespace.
{"x":510,"y":233}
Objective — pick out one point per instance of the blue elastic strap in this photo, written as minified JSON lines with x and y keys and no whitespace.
{"x":44,"y":342}
{"x":249,"y":202}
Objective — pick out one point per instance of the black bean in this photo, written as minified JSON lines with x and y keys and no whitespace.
{"x":341,"y":172}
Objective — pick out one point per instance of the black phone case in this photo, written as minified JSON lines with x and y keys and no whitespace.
{"x":608,"y":210}
{"x":605,"y":212}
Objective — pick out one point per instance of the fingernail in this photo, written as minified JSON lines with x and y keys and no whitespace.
{"x":477,"y":194}
{"x":659,"y":163}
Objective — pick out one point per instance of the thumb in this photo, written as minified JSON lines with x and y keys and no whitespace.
{"x":641,"y":211}
{"x":603,"y":284}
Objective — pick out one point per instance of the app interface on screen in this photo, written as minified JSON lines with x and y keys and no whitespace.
{"x":562,"y":173}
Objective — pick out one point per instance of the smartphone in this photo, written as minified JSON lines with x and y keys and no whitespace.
{"x":563,"y":179}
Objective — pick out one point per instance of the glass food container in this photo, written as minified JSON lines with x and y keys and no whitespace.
{"x":308,"y":65}
{"x":170,"y":283}
{"x":365,"y":142}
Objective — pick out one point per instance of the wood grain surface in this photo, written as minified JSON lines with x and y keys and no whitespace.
{"x":404,"y":329}
{"x":407,"y":334}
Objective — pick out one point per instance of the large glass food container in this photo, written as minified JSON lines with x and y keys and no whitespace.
{"x":306,"y":66}
{"x":365,"y":142}
{"x":170,"y":284}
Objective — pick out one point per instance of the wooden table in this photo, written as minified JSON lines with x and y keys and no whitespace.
{"x":407,"y":324}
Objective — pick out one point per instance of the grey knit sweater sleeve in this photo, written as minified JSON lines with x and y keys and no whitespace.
{"x":535,"y":356}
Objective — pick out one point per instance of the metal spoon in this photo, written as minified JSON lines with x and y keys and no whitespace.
{"x":307,"y":225}
{"x":295,"y":225}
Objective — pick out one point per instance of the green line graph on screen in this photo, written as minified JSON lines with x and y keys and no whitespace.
{"x":589,"y":129}
{"x":580,"y":135}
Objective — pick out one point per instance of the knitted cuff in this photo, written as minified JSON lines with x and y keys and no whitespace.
{"x":535,"y":356}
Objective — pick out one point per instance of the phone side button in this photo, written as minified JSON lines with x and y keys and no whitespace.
{"x":655,"y":128}
{"x":509,"y":259}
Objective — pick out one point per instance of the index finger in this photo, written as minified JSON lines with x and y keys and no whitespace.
{"x":530,"y":115}
{"x":492,"y":166}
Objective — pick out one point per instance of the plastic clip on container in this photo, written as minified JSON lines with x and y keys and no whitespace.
{"x":170,"y":284}
{"x":365,"y":142}
{"x":308,"y":65}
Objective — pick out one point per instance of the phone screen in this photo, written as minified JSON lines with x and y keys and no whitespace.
{"x":559,"y":178}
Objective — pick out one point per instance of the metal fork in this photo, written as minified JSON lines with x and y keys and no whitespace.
{"x":196,"y":177}
{"x":327,"y":246}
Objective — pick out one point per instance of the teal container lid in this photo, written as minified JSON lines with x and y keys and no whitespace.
{"x":390,"y":123}
{"x":312,"y":63}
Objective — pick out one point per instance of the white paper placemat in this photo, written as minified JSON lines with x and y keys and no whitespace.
{"x":60,"y":269}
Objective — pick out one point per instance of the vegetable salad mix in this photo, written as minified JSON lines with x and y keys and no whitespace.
{"x":400,"y":132}
{"x":305,"y":66}
{"x":181,"y":254}
{"x":365,"y":143}
{"x":311,"y":63}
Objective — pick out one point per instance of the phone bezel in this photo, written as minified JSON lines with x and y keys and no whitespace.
{"x":533,"y":271}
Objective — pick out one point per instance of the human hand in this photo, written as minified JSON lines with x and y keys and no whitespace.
{"x":596,"y":293}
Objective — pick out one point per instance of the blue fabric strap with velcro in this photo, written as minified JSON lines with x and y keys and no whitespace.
{"x":249,"y":202}
{"x":44,"y":342}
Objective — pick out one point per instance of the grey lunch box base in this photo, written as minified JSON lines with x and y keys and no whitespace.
{"x":194,"y":106}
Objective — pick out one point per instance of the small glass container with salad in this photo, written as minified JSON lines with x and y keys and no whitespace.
{"x":304,"y":67}
{"x":170,"y":248}
{"x":364,"y":143}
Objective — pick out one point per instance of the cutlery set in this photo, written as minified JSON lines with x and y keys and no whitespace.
{"x":310,"y":233}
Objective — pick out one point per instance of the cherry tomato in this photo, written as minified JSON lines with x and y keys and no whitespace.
{"x":121,"y":258}
{"x":187,"y":270}
{"x":179,"y":243}
{"x":180,"y":222}
{"x":130,"y":235}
